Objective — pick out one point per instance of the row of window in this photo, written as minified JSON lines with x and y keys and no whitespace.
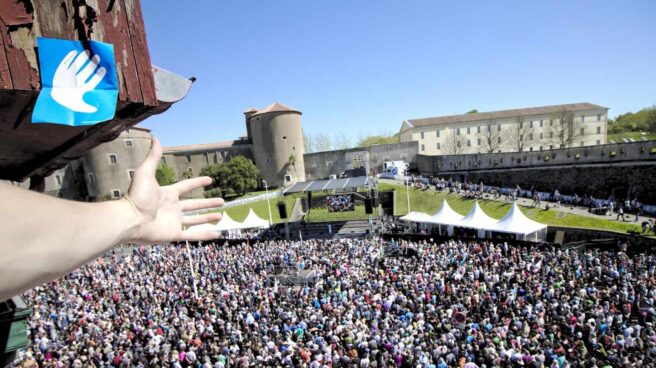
{"x":498,"y":127}
{"x":113,"y":159}
{"x":91,"y":177}
{"x":439,"y":146}
{"x":206,"y":155}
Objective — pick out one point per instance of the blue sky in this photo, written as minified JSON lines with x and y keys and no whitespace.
{"x":359,"y":67}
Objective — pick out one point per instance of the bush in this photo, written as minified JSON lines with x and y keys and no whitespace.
{"x":165,"y":175}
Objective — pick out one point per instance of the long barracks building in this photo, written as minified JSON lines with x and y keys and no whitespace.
{"x":517,"y":130}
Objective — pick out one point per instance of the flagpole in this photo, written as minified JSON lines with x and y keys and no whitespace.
{"x":191,"y":268}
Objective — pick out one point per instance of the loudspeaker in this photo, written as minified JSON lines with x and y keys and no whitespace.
{"x":374,"y":199}
{"x":368,"y":206}
{"x":282,"y":210}
{"x":309,"y":199}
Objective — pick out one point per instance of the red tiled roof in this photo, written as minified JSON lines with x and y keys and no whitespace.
{"x":275,"y":107}
{"x":199,"y":147}
{"x":542,"y":110}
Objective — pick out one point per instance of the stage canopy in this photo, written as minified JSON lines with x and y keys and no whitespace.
{"x":330,"y":184}
{"x":416,"y":217}
{"x":515,"y":222}
{"x":253,"y":221}
{"x":446,"y":215}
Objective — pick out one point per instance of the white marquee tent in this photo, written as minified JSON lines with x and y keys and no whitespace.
{"x":478,"y":219}
{"x":228,"y":224}
{"x":253,"y":221}
{"x":418,"y":217}
{"x":515,"y":222}
{"x":447,"y":217}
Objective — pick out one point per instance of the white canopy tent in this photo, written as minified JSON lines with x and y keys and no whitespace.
{"x":253,"y":221}
{"x":416,"y":217}
{"x":228,"y":224}
{"x":447,"y":217}
{"x":478,"y":219}
{"x":515,"y":222}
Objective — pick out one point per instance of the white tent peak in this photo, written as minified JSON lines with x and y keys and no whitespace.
{"x":517,"y":222}
{"x":254,"y":221}
{"x":227,"y":223}
{"x":416,"y":217}
{"x":446,"y":215}
{"x":478,"y":219}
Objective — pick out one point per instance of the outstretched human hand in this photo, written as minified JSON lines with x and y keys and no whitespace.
{"x":160,"y":212}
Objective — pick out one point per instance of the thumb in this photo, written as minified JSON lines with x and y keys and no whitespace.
{"x":150,"y":164}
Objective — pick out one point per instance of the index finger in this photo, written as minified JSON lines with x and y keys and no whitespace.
{"x":191,"y":184}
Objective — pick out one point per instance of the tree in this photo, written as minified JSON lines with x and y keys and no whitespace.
{"x":491,"y":141}
{"x":213,"y":171}
{"x":341,"y":141}
{"x":219,"y":173}
{"x":520,"y":135}
{"x":651,"y":120}
{"x":383,"y":138}
{"x":188,"y":173}
{"x":562,"y":129}
{"x":165,"y":175}
{"x":643,"y":120}
{"x":474,"y":111}
{"x":243,"y":175}
{"x":322,"y":142}
{"x":308,"y":142}
{"x":453,"y":144}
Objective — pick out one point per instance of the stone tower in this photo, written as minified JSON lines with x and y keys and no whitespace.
{"x":277,"y":137}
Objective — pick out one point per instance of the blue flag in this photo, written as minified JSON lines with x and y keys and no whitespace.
{"x":78,"y":86}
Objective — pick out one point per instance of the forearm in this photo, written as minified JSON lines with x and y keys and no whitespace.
{"x":43,"y":238}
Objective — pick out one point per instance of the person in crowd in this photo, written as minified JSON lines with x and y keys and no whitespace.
{"x":646,"y":227}
{"x":620,"y":213}
{"x":536,"y":199}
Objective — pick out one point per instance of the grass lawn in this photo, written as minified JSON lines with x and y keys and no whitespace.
{"x":635,"y":135}
{"x":233,"y":197}
{"x":430,"y":201}
{"x":239,"y":213}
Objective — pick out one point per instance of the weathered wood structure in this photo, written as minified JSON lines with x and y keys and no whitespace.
{"x":35,"y":150}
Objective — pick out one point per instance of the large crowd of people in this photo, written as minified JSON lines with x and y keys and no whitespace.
{"x":456,"y":305}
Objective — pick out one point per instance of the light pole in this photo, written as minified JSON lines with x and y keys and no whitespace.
{"x":266,"y":188}
{"x":407,"y":192}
